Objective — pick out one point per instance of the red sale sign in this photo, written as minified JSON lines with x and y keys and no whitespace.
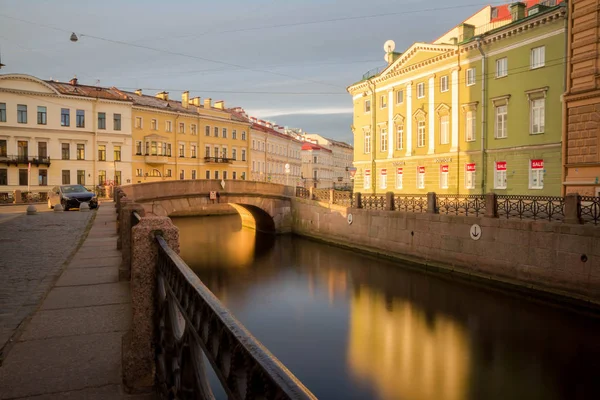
{"x":367,"y":172}
{"x":444,"y":168}
{"x":501,"y":166}
{"x":384,"y":171}
{"x":537,"y":164}
{"x":421,"y":170}
{"x":470,"y":167}
{"x":399,"y":171}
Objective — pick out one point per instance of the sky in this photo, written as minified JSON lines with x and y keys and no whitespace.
{"x":287,"y":61}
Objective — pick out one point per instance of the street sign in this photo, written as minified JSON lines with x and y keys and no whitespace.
{"x":352,"y":171}
{"x":475,"y":232}
{"x":213,"y":195}
{"x":350,"y":219}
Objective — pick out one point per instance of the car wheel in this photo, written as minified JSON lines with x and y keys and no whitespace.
{"x":50,"y":207}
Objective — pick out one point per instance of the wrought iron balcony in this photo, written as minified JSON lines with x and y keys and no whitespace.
{"x":218,"y":160}
{"x":16,"y":160}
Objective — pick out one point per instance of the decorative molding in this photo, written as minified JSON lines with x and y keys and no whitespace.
{"x":442,"y":109}
{"x":500,"y":100}
{"x":420,"y":114}
{"x":537,"y":93}
{"x":398,"y":118}
{"x":469,"y":106}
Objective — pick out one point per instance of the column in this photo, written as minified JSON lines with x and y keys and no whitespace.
{"x":454,"y":88}
{"x":391,"y":135}
{"x":408,"y":131}
{"x":431,"y":100}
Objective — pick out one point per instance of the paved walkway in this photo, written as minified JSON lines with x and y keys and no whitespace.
{"x":71,"y":348}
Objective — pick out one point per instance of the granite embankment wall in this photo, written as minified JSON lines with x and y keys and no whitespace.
{"x":555,"y":258}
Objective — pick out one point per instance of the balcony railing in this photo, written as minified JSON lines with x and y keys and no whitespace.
{"x":16,"y":160}
{"x":221,"y":160}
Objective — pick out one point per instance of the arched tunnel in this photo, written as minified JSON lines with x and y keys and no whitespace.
{"x":255,"y":217}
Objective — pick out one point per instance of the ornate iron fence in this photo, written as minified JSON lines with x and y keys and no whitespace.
{"x":461,"y":204}
{"x":373,"y":202}
{"x":321,"y":194}
{"x":589,"y":209}
{"x":191,"y":323}
{"x":531,"y":207}
{"x":302,"y":192}
{"x":343,"y":198}
{"x":410,"y":203}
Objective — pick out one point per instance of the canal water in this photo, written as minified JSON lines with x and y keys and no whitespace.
{"x":351,"y":326}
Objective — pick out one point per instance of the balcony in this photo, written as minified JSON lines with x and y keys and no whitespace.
{"x":156,"y":159}
{"x":24,"y":160}
{"x":220,"y":160}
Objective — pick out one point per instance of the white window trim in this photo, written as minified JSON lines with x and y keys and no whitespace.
{"x":368,"y":101}
{"x":446,"y":175}
{"x":420,"y":85}
{"x":399,"y":180}
{"x":473,"y":175}
{"x":445,"y":139}
{"x":473,"y":126}
{"x":531,"y":58}
{"x":531,"y":172}
{"x":419,"y":186}
{"x":496,"y":131}
{"x":397,"y":94}
{"x":419,"y":136}
{"x":542,"y":120}
{"x":444,"y":79}
{"x":382,"y":180}
{"x":496,"y":186}
{"x":474,"y":76}
{"x":504,"y":70}
{"x":383,"y":101}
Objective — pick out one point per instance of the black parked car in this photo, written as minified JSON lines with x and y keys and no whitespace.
{"x":71,"y":196}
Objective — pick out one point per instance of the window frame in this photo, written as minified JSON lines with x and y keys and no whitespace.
{"x":80,"y":151}
{"x":80,"y":118}
{"x":399,"y":178}
{"x":541,"y":113}
{"x":383,"y":101}
{"x":400,"y":137}
{"x":420,"y":90}
{"x":102,"y":120}
{"x":540,"y":175}
{"x":383,"y":139}
{"x":444,"y":129}
{"x":421,"y":177}
{"x":400,"y":96}
{"x":504,"y":122}
{"x":367,"y":106}
{"x":444,"y":86}
{"x":367,"y":142}
{"x":2,"y":112}
{"x":383,"y":178}
{"x":501,"y":70}
{"x":22,"y":113}
{"x":116,"y":122}
{"x":367,"y":179}
{"x":470,"y":134}
{"x":542,"y":63}
{"x":499,"y":174}
{"x":470,"y":176}
{"x":471,"y":76}
{"x":42,"y":115}
{"x":421,"y":133}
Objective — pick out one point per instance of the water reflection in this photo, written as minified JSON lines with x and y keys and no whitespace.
{"x":355,"y":327}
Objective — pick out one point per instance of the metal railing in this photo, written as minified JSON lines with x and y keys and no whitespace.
{"x":531,"y":207}
{"x":410,"y":203}
{"x":461,"y":204}
{"x":342,"y":198}
{"x":192,"y":323}
{"x":321,"y":194}
{"x":219,"y":160}
{"x":373,"y":202}
{"x":589,"y":209}
{"x":302,"y":192}
{"x":16,"y":160}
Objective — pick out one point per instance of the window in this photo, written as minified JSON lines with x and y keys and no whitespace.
{"x":367,"y":106}
{"x":383,"y":178}
{"x":470,"y":126}
{"x":148,"y":144}
{"x":66,"y":177}
{"x":315,"y":159}
{"x":420,"y":90}
{"x":65,"y":151}
{"x":42,"y":149}
{"x":400,"y":97}
{"x":243,"y":177}
{"x":470,"y":76}
{"x":538,"y":57}
{"x":207,"y":175}
{"x":193,"y":174}
{"x":234,"y":134}
{"x":216,"y":132}
{"x":501,"y":115}
{"x":216,"y":151}
{"x":168,"y":173}
{"x":234,"y":154}
{"x":43,"y":177}
{"x":444,"y":176}
{"x":367,"y":142}
{"x":182,"y":150}
{"x":253,"y":165}
{"x":501,"y":67}
{"x":182,"y":127}
{"x":41,"y":115}
{"x":80,"y":118}
{"x":65,"y":117}
{"x":154,"y":124}
{"x":224,"y":133}
{"x":224,"y":152}
{"x":383,"y":101}
{"x":138,"y":122}
{"x":21,"y":114}
{"x":470,"y":176}
{"x":367,"y":183}
{"x":400,"y":137}
{"x":80,"y":177}
{"x":216,"y":174}
{"x":243,"y":138}
{"x":243,"y":154}
{"x":80,"y":151}
{"x":500,"y":175}
{"x":101,"y":120}
{"x":101,"y":177}
{"x":168,"y":126}
{"x":118,"y":180}
{"x":182,"y":174}
{"x":3,"y":176}
{"x":193,"y":150}
{"x":536,"y":174}
{"x":139,"y":172}
{"x":224,"y":174}
{"x":420,"y":177}
{"x":117,"y":122}
{"x":444,"y":129}
{"x":206,"y":151}
{"x":207,"y":130}
{"x":102,"y":152}
{"x":117,"y":153}
{"x":234,"y":175}
{"x":537,"y":116}
{"x":23,"y":177}
{"x":138,"y":147}
{"x":194,"y":129}
{"x":399,"y":178}
{"x":444,"y":83}
{"x":168,"y":150}
{"x":2,"y":112}
{"x":421,"y":134}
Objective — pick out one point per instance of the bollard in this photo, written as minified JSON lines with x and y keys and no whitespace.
{"x":31,"y":210}
{"x":84,"y":207}
{"x":59,"y":208}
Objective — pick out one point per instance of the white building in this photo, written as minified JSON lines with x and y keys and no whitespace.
{"x":317,"y":166}
{"x":343,"y":156}
{"x":66,"y":132}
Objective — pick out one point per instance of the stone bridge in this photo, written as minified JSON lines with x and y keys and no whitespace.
{"x":265,"y":207}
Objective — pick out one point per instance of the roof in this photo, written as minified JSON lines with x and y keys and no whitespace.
{"x":341,"y":144}
{"x":88,"y":91}
{"x":154,"y":102}
{"x":503,"y":11}
{"x":273,"y":132}
{"x":313,"y":146}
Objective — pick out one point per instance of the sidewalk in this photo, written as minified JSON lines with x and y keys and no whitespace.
{"x":71,"y":348}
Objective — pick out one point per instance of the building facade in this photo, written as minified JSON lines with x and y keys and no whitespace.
{"x":477,"y":110}
{"x":54,"y":133}
{"x":582,"y":101}
{"x":343,"y":155}
{"x":317,"y":166}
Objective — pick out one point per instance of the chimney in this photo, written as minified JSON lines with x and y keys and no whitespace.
{"x":465,"y":32}
{"x":196,"y":101}
{"x":73,"y":81}
{"x":517,"y":11}
{"x":162,"y":95}
{"x":138,"y":92}
{"x":185,"y":99}
{"x":453,"y":40}
{"x":220,"y":104}
{"x":208,"y":102}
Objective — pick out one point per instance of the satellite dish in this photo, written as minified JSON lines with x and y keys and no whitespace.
{"x":386,"y":58}
{"x":389,"y":46}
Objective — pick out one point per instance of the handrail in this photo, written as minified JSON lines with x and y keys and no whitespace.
{"x":191,"y":321}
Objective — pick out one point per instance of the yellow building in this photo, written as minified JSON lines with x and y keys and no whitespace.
{"x":187,"y":139}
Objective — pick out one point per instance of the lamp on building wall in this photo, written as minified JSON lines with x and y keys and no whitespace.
{"x":73,"y":37}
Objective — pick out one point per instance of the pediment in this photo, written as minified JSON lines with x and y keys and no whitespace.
{"x":420,"y":114}
{"x":442,"y":109}
{"x":25,"y":83}
{"x":417,"y":53}
{"x":398,"y":118}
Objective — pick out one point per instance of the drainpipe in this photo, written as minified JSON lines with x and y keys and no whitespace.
{"x":483,"y":116}
{"x":566,"y":90}
{"x":95,"y":146}
{"x":373,"y":137}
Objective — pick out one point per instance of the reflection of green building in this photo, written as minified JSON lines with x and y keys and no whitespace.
{"x":482,"y":101}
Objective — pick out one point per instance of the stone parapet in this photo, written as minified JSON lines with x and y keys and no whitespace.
{"x":125,"y":236}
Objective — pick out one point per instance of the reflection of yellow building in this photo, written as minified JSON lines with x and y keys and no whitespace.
{"x":403,"y":353}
